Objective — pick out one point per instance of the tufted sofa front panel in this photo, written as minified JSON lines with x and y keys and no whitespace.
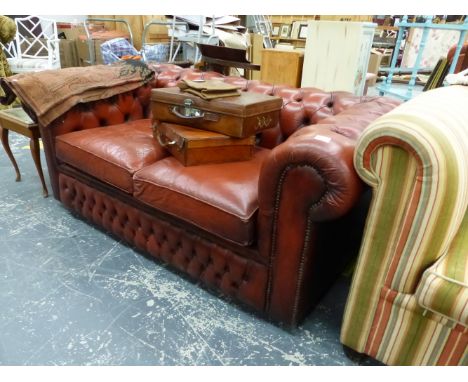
{"x":217,"y":267}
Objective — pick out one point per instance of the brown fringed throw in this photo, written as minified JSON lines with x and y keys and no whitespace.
{"x":51,"y":93}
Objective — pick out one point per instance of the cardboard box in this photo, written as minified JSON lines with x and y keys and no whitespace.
{"x":97,"y":51}
{"x":386,"y":56}
{"x":68,"y":54}
{"x":82,"y":49}
{"x":282,"y":67}
{"x":72,"y":53}
{"x":70,"y":31}
{"x":374,"y":65}
{"x":83,"y":46}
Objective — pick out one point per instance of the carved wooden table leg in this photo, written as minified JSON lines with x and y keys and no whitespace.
{"x":34,"y":146}
{"x":6,"y":146}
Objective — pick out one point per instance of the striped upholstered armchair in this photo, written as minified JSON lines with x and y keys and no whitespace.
{"x":408,"y":303}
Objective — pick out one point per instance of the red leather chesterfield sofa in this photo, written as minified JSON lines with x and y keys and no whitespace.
{"x":271,"y":233}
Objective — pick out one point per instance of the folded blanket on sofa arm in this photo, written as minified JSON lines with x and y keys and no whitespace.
{"x":51,"y":93}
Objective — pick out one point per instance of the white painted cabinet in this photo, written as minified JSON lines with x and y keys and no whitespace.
{"x":336,"y":55}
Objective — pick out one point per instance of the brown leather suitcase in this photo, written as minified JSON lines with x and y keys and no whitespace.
{"x":240,"y":116}
{"x":194,"y":146}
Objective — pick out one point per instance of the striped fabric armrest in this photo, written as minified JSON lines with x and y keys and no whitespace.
{"x":444,"y":286}
{"x":415,"y":159}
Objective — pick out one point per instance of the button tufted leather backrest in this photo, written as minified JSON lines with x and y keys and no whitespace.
{"x":121,"y":108}
{"x":301,"y":107}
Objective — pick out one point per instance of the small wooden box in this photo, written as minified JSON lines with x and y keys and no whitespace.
{"x":282,"y":67}
{"x":239,"y":116}
{"x":193,"y":147}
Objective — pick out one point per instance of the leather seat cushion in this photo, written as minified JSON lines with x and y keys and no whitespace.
{"x":112,"y":154}
{"x":219,"y":198}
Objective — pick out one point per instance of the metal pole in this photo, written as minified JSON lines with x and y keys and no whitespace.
{"x":201,"y":21}
{"x":172,"y":38}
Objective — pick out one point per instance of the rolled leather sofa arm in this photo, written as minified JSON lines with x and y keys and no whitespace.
{"x":325,"y":152}
{"x":323,"y":162}
{"x":306,"y":180}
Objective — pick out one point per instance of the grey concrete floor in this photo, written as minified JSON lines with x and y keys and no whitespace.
{"x":72,"y":295}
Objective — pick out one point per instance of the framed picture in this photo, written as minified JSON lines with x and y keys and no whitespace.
{"x":294,"y":33}
{"x":303,"y":31}
{"x":262,"y":29}
{"x":267,"y":42}
{"x":284,"y":31}
{"x":275,"y":31}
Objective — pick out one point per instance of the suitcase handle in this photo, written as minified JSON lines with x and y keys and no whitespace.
{"x":187,"y":111}
{"x":163,"y":142}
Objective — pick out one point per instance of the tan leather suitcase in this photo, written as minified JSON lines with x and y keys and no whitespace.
{"x":193,"y":147}
{"x":238,"y":117}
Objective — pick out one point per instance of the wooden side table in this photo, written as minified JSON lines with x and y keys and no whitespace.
{"x":18,"y":121}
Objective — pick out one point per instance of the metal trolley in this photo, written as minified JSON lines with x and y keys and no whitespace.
{"x":92,"y":55}
{"x":181,"y":49}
